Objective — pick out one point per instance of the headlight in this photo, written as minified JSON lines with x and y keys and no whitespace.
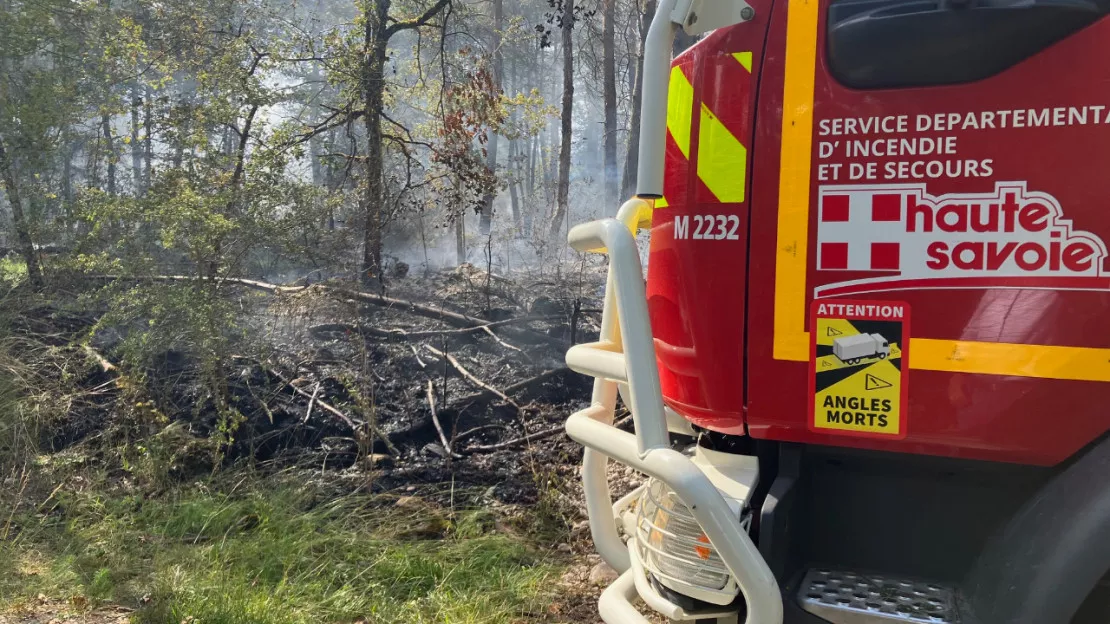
{"x":672,"y":547}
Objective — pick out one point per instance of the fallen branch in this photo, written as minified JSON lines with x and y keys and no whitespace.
{"x":464,"y":402}
{"x":417,"y":355}
{"x":312,"y":402}
{"x":478,"y":429}
{"x":327,"y":407}
{"x":541,"y":435}
{"x":344,"y":328}
{"x":435,"y":421}
{"x":470,"y":376}
{"x":452,"y":318}
{"x":401,"y":333}
{"x":252,"y":284}
{"x":105,"y":365}
{"x":503,"y":343}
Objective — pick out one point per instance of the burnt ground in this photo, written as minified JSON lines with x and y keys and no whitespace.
{"x":318,"y":377}
{"x":324,"y":382}
{"x":375,"y":362}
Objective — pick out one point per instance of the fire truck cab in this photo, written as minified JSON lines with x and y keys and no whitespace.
{"x":869,"y":362}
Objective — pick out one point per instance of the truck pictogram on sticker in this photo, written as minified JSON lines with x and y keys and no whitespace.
{"x":852,"y":349}
{"x":858,"y":367}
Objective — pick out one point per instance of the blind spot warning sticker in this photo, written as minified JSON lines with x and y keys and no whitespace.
{"x":858,"y":370}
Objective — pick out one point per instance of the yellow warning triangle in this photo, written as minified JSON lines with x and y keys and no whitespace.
{"x":829,"y":329}
{"x":872,"y":382}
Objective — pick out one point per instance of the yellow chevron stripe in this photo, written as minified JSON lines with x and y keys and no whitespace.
{"x":680,"y":107}
{"x":722,"y":159}
{"x":661,"y":203}
{"x":745,"y":59}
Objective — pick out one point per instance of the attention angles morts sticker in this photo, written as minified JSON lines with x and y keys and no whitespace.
{"x":859,"y":367}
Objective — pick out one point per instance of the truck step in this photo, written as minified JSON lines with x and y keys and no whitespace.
{"x":846,"y":597}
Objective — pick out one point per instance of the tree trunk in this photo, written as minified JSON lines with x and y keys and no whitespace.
{"x":373,"y":87}
{"x":632,"y":159}
{"x":67,"y":182}
{"x":536,"y":143}
{"x":136,"y":142}
{"x":460,"y":238}
{"x":514,"y":197}
{"x":562,"y":192}
{"x":535,"y":160}
{"x":182,"y":132}
{"x":317,"y":141}
{"x":609,"y":77}
{"x":22,"y":228}
{"x":513,"y":165}
{"x":486,"y":221}
{"x":109,"y":144}
{"x":532,"y":142}
{"x":148,"y":141}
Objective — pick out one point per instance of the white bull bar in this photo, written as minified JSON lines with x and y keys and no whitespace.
{"x":625,"y":354}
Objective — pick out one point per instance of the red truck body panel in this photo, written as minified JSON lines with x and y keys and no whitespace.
{"x":1009,"y":364}
{"x":697,"y":292}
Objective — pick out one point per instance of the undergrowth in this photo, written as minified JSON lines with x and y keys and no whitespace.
{"x":271,"y":553}
{"x":109,"y":520}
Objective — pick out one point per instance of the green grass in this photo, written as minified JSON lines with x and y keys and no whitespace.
{"x":12,"y":270}
{"x":272,"y":556}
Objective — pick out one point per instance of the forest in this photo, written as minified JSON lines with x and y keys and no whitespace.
{"x":284,"y":299}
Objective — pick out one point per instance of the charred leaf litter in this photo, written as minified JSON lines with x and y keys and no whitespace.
{"x":317,"y":363}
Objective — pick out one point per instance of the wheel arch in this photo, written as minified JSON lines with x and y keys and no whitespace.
{"x":1041,"y":565}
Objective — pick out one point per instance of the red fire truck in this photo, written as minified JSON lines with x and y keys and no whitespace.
{"x":868,"y":365}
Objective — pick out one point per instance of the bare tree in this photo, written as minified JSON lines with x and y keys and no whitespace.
{"x":110,"y":148}
{"x":379,"y":27}
{"x":498,"y":76}
{"x":632,"y":159}
{"x":562,"y":192}
{"x":460,"y":238}
{"x":609,"y":78}
{"x":139,"y":185}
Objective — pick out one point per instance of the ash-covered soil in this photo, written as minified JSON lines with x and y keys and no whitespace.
{"x":321,"y":376}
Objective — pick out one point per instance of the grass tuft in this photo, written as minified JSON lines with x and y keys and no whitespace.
{"x":273,"y":555}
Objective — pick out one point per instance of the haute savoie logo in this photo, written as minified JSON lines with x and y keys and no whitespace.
{"x":908,"y":239}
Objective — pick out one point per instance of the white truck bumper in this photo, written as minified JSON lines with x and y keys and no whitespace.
{"x":624,"y":355}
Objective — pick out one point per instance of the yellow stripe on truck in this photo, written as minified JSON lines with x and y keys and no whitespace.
{"x":680,"y":105}
{"x":722,"y":159}
{"x":791,"y":338}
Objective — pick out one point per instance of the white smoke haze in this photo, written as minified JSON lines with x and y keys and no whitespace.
{"x":284,"y":82}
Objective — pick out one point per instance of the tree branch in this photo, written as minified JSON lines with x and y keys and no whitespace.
{"x":418,"y":21}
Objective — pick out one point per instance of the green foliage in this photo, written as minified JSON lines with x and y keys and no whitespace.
{"x":272,"y":554}
{"x":13,"y":271}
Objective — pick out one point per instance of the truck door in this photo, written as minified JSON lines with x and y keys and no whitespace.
{"x":949,"y":157}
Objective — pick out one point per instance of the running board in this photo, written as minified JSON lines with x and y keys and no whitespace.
{"x":844,"y":597}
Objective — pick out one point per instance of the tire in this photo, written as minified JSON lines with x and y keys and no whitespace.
{"x":882,"y":356}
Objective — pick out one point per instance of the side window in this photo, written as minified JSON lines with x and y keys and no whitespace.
{"x":904,"y":43}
